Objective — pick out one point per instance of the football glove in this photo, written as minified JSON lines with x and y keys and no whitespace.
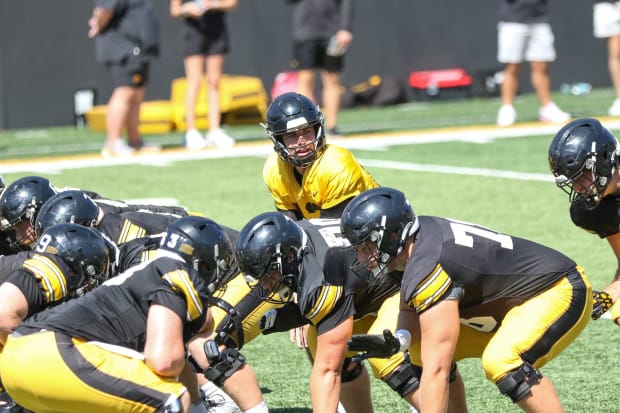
{"x":602,"y":302}
{"x":374,"y":345}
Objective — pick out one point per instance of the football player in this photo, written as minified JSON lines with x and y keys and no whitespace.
{"x":121,"y":347}
{"x":465,"y":291}
{"x":307,"y":177}
{"x":583,"y":157}
{"x":311,"y":260}
{"x":68,"y":261}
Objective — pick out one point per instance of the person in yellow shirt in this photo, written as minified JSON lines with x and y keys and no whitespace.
{"x":306,"y":176}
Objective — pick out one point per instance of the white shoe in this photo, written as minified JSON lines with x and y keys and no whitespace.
{"x":217,"y":401}
{"x":553,"y":114}
{"x":506,"y":116}
{"x":118,"y":149}
{"x":217,"y":137}
{"x":194,"y":140}
{"x":614,"y":110}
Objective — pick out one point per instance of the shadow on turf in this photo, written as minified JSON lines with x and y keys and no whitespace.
{"x":291,"y":410}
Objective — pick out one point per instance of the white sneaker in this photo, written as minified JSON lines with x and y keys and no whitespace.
{"x":506,"y":116}
{"x":118,"y":149}
{"x":217,"y":401}
{"x":614,"y":110}
{"x":553,"y":114}
{"x":194,"y":140}
{"x":217,"y":137}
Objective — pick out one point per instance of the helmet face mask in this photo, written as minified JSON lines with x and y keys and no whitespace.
{"x":292,"y":113}
{"x":583,"y":159}
{"x":270,"y":251}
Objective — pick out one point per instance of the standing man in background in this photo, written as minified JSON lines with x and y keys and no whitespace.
{"x":606,"y":22}
{"x":524,"y":34}
{"x":205,"y":43}
{"x":322,"y":33}
{"x":126,"y":34}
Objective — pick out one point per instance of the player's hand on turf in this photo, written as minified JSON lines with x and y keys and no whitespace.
{"x":374,"y":345}
{"x":602,"y":302}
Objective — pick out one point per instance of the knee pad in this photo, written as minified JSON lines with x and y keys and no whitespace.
{"x":405,"y":379}
{"x":518,"y":383}
{"x":223,"y":364}
{"x":347,"y":375}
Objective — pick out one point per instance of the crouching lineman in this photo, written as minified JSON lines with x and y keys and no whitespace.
{"x":311,"y":259}
{"x":121,"y":347}
{"x":465,"y":291}
{"x":67,"y":261}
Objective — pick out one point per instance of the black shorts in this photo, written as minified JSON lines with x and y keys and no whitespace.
{"x":310,"y":54}
{"x":131,"y":71}
{"x":204,"y":42}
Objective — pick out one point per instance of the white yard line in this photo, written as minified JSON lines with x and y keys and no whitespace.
{"x":482,"y":134}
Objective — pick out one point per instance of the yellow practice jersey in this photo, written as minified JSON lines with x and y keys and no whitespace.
{"x":331,"y":179}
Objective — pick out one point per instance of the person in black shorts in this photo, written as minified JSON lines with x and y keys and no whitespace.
{"x":205,"y":43}
{"x":126,"y":34}
{"x":322,"y":33}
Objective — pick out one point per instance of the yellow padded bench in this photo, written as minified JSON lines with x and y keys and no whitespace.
{"x":242,"y":100}
{"x":155,"y":117}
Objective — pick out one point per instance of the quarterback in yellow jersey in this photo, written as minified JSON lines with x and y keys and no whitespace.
{"x":307,"y":177}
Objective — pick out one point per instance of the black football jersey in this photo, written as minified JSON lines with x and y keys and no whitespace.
{"x":124,"y":227}
{"x":328,"y":291}
{"x":137,"y":251}
{"x":116,"y":311}
{"x":118,"y":207}
{"x":493,"y":271}
{"x":604,"y":220}
{"x":43,"y":278}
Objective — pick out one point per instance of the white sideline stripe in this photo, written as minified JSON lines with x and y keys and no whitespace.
{"x":481,"y":135}
{"x":495,"y":173}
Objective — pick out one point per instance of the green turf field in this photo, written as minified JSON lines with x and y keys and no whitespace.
{"x":501,"y":183}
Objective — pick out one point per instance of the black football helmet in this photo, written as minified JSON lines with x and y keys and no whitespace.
{"x":83,"y":249}
{"x":291,"y":112}
{"x":272,"y":242}
{"x":583,"y":145}
{"x":22,"y":199}
{"x":382,"y":216}
{"x":71,"y":206}
{"x":205,"y":247}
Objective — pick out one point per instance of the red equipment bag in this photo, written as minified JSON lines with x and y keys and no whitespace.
{"x":440,"y":84}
